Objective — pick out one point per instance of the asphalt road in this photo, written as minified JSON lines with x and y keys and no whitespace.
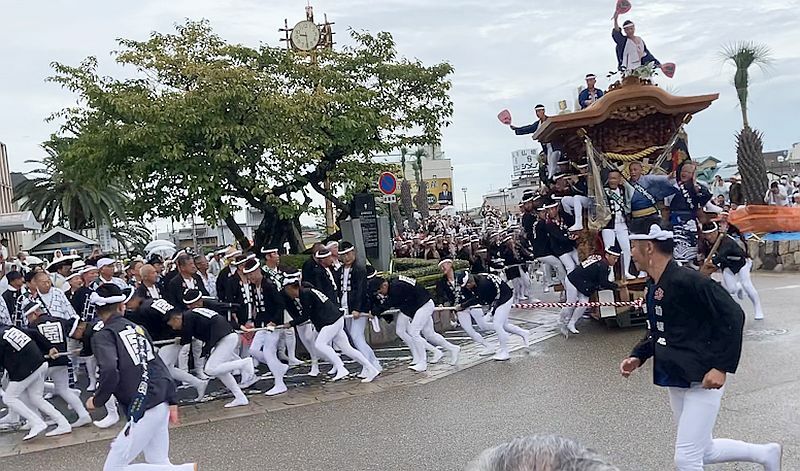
{"x":568,"y":387}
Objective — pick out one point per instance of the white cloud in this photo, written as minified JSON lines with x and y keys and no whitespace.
{"x":507,"y":54}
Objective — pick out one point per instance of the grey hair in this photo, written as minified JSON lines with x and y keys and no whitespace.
{"x":540,"y":453}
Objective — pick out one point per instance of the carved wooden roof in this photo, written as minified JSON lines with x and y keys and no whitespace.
{"x":631,"y":101}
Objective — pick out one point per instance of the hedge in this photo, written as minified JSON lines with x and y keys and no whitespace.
{"x":294,"y":261}
{"x":403,"y":264}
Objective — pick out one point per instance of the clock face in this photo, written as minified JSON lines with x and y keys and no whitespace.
{"x":305,"y":36}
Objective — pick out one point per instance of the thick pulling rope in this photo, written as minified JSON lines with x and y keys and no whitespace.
{"x":636,"y":303}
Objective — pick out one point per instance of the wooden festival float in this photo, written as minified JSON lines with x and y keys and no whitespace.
{"x":634,"y":121}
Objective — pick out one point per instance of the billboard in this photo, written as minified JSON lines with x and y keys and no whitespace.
{"x":524,"y":161}
{"x":440,"y":191}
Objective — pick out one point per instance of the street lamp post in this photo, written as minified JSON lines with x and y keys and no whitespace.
{"x":505,"y":208}
{"x":464,"y":189}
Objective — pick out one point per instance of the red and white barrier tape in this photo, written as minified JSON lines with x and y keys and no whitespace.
{"x":636,"y":303}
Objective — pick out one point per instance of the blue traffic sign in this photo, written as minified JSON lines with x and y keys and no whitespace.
{"x":387,"y":183}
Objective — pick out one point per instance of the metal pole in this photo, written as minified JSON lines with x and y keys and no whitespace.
{"x":464,"y":189}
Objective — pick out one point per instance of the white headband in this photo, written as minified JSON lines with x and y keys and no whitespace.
{"x":192,"y":301}
{"x":98,"y":300}
{"x":33,"y":308}
{"x":442,"y":262}
{"x":656,"y":233}
{"x":465,"y":280}
{"x":255,"y":267}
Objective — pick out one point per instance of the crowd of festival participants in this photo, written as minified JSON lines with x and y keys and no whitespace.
{"x":225,"y":313}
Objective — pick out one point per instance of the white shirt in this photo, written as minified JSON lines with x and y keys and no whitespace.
{"x":153,"y":290}
{"x":189,"y":283}
{"x":210,"y":282}
{"x":633,"y":53}
{"x":345,"y":288}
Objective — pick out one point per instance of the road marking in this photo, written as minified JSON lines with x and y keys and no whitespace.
{"x":781,"y":287}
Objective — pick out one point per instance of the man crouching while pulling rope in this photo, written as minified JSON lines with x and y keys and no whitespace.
{"x":695,"y":339}
{"x":130,"y":370}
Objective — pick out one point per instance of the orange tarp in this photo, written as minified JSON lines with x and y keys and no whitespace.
{"x":759,"y":218}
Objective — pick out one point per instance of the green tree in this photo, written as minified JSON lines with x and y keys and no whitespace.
{"x":206,"y":126}
{"x":749,"y":142}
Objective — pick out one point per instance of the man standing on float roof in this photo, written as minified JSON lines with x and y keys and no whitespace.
{"x":632,"y":52}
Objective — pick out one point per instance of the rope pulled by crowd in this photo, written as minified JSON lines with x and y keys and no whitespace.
{"x":635,"y":303}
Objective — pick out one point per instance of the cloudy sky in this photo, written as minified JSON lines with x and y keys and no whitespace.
{"x":506,"y":53}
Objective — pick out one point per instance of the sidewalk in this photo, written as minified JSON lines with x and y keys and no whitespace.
{"x":304,"y":390}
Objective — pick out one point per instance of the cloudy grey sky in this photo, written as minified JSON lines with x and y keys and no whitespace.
{"x":506,"y":53}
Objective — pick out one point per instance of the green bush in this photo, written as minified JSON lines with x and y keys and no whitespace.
{"x":403,"y":264}
{"x":294,"y":261}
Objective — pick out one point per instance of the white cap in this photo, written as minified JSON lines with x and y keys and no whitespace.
{"x":105,"y":261}
{"x":656,"y":233}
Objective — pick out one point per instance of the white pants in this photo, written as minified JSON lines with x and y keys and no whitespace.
{"x":621,"y":234}
{"x":570,"y":260}
{"x":223,"y":360}
{"x":570,"y":315}
{"x":32,"y":389}
{"x":504,"y":327}
{"x":403,"y":330}
{"x":91,"y":371}
{"x":552,"y":262}
{"x":553,"y":156}
{"x":465,"y":319}
{"x":288,"y":342}
{"x":356,"y":328}
{"x":265,"y":349}
{"x":518,"y":287}
{"x":150,"y":435}
{"x":169,"y":355}
{"x":60,"y":377}
{"x":575,"y":205}
{"x":422,"y":325}
{"x":731,"y":281}
{"x":308,"y":335}
{"x":196,"y":348}
{"x":695,"y":412}
{"x":334,"y":334}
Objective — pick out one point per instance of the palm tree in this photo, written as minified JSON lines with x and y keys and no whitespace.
{"x":749,"y":142}
{"x":57,"y":199}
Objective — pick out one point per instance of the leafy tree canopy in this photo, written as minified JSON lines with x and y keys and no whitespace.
{"x":203,"y":124}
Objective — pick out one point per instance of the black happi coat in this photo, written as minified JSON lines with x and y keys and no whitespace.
{"x":21,"y":351}
{"x":406,"y":295}
{"x":312,"y":305}
{"x":489,"y":289}
{"x":116,"y":347}
{"x":591,"y":275}
{"x":730,"y":255}
{"x":56,"y":331}
{"x":357,"y":292}
{"x":205,"y":325}
{"x":693,"y":326}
